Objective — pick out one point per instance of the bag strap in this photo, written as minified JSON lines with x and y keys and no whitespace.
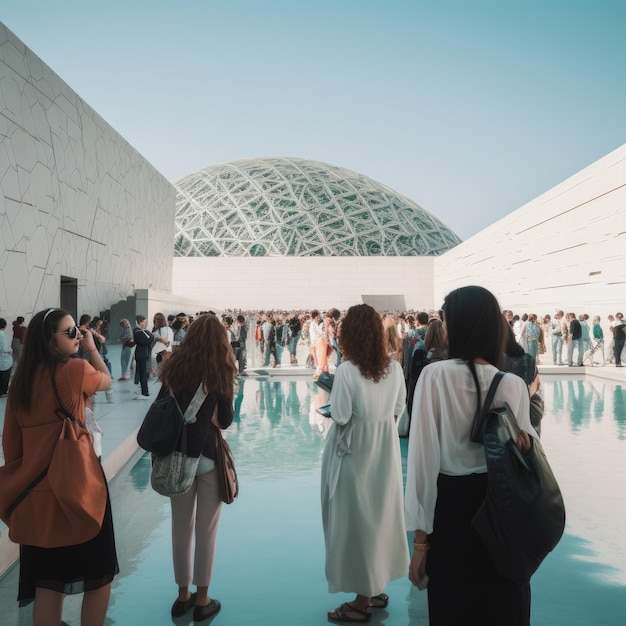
{"x":476,"y":434}
{"x":195,"y":404}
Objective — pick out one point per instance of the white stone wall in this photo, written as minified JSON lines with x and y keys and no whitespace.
{"x":75,"y":198}
{"x":565,"y":249}
{"x":292,"y":283}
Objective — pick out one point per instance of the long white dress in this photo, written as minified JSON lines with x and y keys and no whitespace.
{"x":362,"y":499}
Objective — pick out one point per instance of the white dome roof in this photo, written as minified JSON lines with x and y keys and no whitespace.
{"x":297,"y":207}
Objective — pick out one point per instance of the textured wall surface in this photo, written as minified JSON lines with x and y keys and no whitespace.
{"x":565,"y":249}
{"x":303,"y":282}
{"x":76,"y":199}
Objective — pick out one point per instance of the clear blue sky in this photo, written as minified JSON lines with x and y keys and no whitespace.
{"x":469,"y":107}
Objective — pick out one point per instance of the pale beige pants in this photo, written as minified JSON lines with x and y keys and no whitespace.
{"x":195,"y":517}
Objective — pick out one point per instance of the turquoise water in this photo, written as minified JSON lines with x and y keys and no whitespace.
{"x":269,"y":565}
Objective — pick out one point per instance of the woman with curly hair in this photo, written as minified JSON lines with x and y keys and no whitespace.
{"x":204,"y":357}
{"x":362,"y":505}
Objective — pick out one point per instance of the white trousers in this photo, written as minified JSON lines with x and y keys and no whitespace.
{"x":195,"y":517}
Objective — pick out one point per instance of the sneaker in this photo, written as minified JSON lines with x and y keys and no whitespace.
{"x":142,"y":397}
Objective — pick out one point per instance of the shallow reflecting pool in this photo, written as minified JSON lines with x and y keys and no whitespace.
{"x":270,"y":558}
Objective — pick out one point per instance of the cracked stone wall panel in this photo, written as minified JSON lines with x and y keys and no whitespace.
{"x":117,"y":235}
{"x":47,"y":83}
{"x":13,"y":54}
{"x":24,"y":149}
{"x":40,"y":122}
{"x":104,"y":226}
{"x":66,"y":100}
{"x":5,"y":34}
{"x":33,"y":285}
{"x":7,"y":165}
{"x":11,"y":98}
{"x":95,"y":265}
{"x":110,"y":194}
{"x":49,"y":292}
{"x":69,"y":253}
{"x":90,"y":163}
{"x":20,"y":219}
{"x":62,"y":158}
{"x":15,"y":278}
{"x":38,"y":247}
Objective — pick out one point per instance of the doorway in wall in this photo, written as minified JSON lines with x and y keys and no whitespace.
{"x":69,"y":295}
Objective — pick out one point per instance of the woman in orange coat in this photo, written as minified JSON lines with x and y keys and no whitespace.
{"x":46,"y":375}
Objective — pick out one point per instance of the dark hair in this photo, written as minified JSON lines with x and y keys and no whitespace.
{"x":204,"y":355}
{"x":474,"y":325}
{"x":314,"y":313}
{"x":19,"y":320}
{"x":422,"y":317}
{"x":241,"y":319}
{"x":85,"y":318}
{"x":362,"y":341}
{"x":475,"y":328}
{"x":3,"y":323}
{"x":39,"y":351}
{"x":333,"y":314}
{"x":511,"y":347}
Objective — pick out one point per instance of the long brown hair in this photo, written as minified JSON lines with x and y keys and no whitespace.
{"x":362,"y":341}
{"x":39,"y":353}
{"x":204,"y":356}
{"x":393,"y":341}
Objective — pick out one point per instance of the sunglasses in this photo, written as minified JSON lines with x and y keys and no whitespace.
{"x":71,"y":332}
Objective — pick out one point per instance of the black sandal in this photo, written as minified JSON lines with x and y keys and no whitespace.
{"x":341,"y":614}
{"x":380,"y":601}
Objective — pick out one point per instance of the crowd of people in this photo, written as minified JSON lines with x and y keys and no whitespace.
{"x":433,"y":366}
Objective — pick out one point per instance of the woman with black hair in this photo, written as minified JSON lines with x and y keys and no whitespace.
{"x":447,"y":473}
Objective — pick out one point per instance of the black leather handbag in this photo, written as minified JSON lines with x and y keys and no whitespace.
{"x":523,"y":515}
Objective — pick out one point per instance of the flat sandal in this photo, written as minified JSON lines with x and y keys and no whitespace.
{"x":341,"y":614}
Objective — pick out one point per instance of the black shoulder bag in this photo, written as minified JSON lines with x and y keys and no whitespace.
{"x":523,"y":515}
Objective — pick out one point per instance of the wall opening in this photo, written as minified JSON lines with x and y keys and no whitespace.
{"x":69,"y":296}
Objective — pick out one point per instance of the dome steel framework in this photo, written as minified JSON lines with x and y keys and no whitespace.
{"x":297,"y":207}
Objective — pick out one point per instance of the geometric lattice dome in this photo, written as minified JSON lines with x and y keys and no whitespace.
{"x":296,"y":207}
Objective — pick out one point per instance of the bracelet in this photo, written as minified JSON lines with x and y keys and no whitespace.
{"x":421,"y":547}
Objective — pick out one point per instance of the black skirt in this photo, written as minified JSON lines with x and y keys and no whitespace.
{"x":464,"y":587}
{"x":71,"y":569}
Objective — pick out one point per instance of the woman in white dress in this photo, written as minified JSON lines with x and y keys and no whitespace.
{"x":447,"y":473}
{"x":362,"y":504}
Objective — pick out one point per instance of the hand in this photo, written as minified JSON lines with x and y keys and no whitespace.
{"x":523,"y":442}
{"x":87,"y":343}
{"x":417,"y":567}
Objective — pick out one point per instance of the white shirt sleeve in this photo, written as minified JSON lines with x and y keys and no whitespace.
{"x":443,"y":412}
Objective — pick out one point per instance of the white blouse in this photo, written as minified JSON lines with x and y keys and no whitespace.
{"x":439,"y":442}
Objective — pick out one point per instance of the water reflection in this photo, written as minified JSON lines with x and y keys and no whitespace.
{"x":270,"y":426}
{"x":584,"y":430}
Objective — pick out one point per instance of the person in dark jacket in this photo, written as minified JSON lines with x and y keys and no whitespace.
{"x":574,"y":340}
{"x":144,"y":340}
